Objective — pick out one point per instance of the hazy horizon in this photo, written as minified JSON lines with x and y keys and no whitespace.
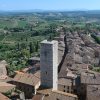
{"x":68,"y":5}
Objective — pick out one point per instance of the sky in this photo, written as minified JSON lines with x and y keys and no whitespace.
{"x":49,"y":4}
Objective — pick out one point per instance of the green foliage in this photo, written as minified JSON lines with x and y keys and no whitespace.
{"x":97,"y":39}
{"x":2,"y":37}
{"x":21,"y":34}
{"x":31,"y":47}
{"x":97,"y":69}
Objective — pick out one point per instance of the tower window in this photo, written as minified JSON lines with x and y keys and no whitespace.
{"x":46,"y":73}
{"x":45,"y":53}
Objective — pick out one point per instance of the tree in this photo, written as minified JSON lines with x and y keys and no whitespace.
{"x":18,"y":46}
{"x":25,"y":53}
{"x":23,"y":46}
{"x":37,"y":46}
{"x":50,"y":37}
{"x":26,"y":39}
{"x":31,"y":47}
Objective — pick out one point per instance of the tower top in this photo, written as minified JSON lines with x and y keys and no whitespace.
{"x":49,"y":42}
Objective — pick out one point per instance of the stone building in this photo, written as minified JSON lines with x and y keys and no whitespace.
{"x":87,"y":82}
{"x":49,"y":64}
{"x":66,"y":85}
{"x":27,"y":83}
{"x":93,"y":92}
{"x":49,"y":94}
{"x":50,"y":88}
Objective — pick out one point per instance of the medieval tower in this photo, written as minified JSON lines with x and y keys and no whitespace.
{"x":49,"y":64}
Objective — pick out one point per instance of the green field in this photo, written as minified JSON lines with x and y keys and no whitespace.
{"x":21,"y":33}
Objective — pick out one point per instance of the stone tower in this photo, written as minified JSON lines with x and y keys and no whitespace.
{"x":49,"y":64}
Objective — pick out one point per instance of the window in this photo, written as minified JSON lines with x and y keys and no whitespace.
{"x":46,"y":73}
{"x":45,"y":53}
{"x":20,"y":87}
{"x":75,"y":91}
{"x":71,"y":91}
{"x":28,"y":89}
{"x":64,"y":86}
{"x":68,"y":87}
{"x":67,"y":91}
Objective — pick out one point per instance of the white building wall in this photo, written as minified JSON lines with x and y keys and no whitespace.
{"x":49,"y":64}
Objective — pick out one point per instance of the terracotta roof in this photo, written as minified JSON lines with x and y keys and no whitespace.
{"x":25,"y":70}
{"x":44,"y":91}
{"x":64,"y":93}
{"x":49,"y":94}
{"x":5,"y":87}
{"x":30,"y":79}
{"x":7,"y":79}
{"x":3,"y":97}
{"x":37,"y":97}
{"x":19,"y":72}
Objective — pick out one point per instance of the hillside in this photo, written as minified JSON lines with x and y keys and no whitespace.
{"x":22,"y":32}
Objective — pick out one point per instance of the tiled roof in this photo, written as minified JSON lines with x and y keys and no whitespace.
{"x":30,"y":79}
{"x":5,"y":87}
{"x":65,"y":81}
{"x":44,"y":91}
{"x":37,"y":97}
{"x":3,"y":97}
{"x":7,"y":79}
{"x":93,"y":92}
{"x":64,"y":93}
{"x":82,"y":66}
{"x":88,"y":78}
{"x":49,"y":94}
